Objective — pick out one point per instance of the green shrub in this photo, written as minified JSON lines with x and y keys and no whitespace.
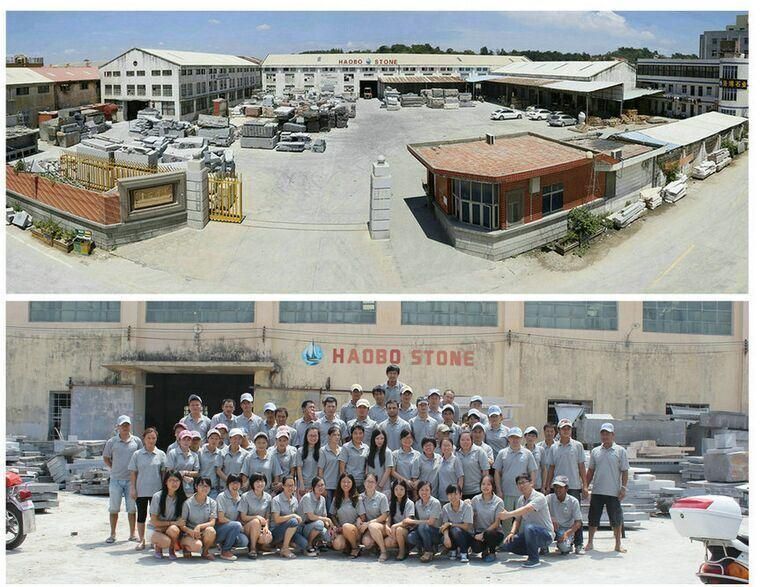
{"x":731,"y":147}
{"x":583,"y":224}
{"x":671,"y":173}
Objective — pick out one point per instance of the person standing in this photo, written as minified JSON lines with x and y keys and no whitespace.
{"x":269,"y":422}
{"x":286,"y":455}
{"x":448,"y":397}
{"x":211,"y":461}
{"x":512,"y":461}
{"x":531,"y":439}
{"x":233,"y":458}
{"x":423,"y":425}
{"x":565,"y":514}
{"x":183,"y":460}
{"x":329,"y":419}
{"x":448,"y":420}
{"x":608,"y":471}
{"x":487,"y":534}
{"x":475,"y":403}
{"x":226,"y":415}
{"x":393,"y":425}
{"x":393,"y":386}
{"x":354,"y":455}
{"x":474,"y":464}
{"x":262,"y":461}
{"x":434,"y":400}
{"x":428,"y":463}
{"x":378,"y":409}
{"x":457,"y":524}
{"x":195,"y":419}
{"x":307,"y":460}
{"x":406,"y":462}
{"x":281,"y":419}
{"x":380,"y":461}
{"x":328,"y":465}
{"x":549,"y":433}
{"x":449,"y":471}
{"x":496,"y":435}
{"x":308,"y":418}
{"x":363,"y":419}
{"x":117,"y":454}
{"x":568,"y":458}
{"x":248,"y":422}
{"x":407,"y":411}
{"x":533,"y":529}
{"x":478,"y":438}
{"x":349,"y":409}
{"x":146,"y":468}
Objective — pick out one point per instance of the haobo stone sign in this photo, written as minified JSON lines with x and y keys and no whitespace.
{"x":158,"y":195}
{"x":414,"y":357}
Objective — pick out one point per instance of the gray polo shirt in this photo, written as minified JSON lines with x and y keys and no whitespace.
{"x":540,"y":515}
{"x":228,"y":505}
{"x":485,"y":512}
{"x":329,"y":465}
{"x":427,"y":469}
{"x":436,"y":415}
{"x":546,"y":458}
{"x":346,"y":514}
{"x":347,"y":412}
{"x":373,"y":506}
{"x":355,"y":460}
{"x":378,"y":413}
{"x":423,"y":429}
{"x":407,"y":512}
{"x":148,"y":467}
{"x":250,"y":426}
{"x":310,"y":504}
{"x":221,"y":418}
{"x":301,"y":426}
{"x":252,"y":505}
{"x":432,"y":509}
{"x":473,"y":464}
{"x":608,"y":464}
{"x":488,"y":450}
{"x":464,"y":515}
{"x":565,"y":512}
{"x":169,"y":515}
{"x":202,"y":425}
{"x":326,"y":425}
{"x":393,"y":430}
{"x":368,"y":424}
{"x":273,"y":435}
{"x":199,"y":513}
{"x":497,"y":438}
{"x":394,"y":392}
{"x":178,"y":461}
{"x":510,"y":464}
{"x":537,"y":453}
{"x":287,"y":459}
{"x":282,"y":506}
{"x":408,"y":414}
{"x":406,"y":463}
{"x":270,"y":431}
{"x":308,"y":466}
{"x":565,"y":458}
{"x":209,"y":461}
{"x":448,"y":473}
{"x":121,"y":452}
{"x":379,"y":469}
{"x":232,"y":462}
{"x":269,"y":466}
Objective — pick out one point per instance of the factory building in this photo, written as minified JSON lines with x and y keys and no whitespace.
{"x":180,"y":84}
{"x":732,"y":40}
{"x":353,"y":73}
{"x":145,"y":358}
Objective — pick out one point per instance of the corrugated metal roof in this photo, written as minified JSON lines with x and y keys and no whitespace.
{"x":522,"y":81}
{"x":557,"y":69}
{"x":421,"y":79}
{"x":20,"y":76}
{"x":633,"y":93}
{"x":388,"y":60}
{"x":688,"y":131}
{"x":69,"y":74}
{"x":581,"y":87}
{"x":187,"y":58}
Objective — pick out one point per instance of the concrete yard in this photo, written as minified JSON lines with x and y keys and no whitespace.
{"x":305,"y":231}
{"x":68,"y":547}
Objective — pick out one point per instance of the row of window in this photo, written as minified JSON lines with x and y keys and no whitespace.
{"x":668,"y":70}
{"x":383,"y":70}
{"x":139,"y":73}
{"x":139,"y":90}
{"x":217,"y":70}
{"x":44,"y":89}
{"x":713,"y":318}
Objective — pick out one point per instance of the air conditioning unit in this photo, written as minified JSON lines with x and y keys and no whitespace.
{"x":616,"y":154}
{"x":490,"y":139}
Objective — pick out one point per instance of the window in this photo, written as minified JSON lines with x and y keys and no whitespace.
{"x":43,"y":89}
{"x":167,"y":72}
{"x":684,"y":89}
{"x":729,"y":72}
{"x":168,"y":108}
{"x":140,"y":72}
{"x":131,"y":90}
{"x":141,"y":90}
{"x":22,"y":91}
{"x":155,"y":90}
{"x":130,"y":73}
{"x":155,"y":72}
{"x":476,"y":203}
{"x":708,"y":90}
{"x":115,"y":74}
{"x":84,"y":85}
{"x":729,"y":94}
{"x":194,"y":312}
{"x":167,"y":90}
{"x":572,"y":315}
{"x":74,"y":311}
{"x":328,"y":312}
{"x":107,"y":74}
{"x":553,"y":198}
{"x":449,"y":313}
{"x":107,"y":90}
{"x":688,"y":317}
{"x":187,"y":107}
{"x":59,"y":404}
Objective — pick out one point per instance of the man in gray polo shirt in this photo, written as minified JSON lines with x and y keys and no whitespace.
{"x":565,"y":513}
{"x":329,"y":419}
{"x":195,"y":419}
{"x":423,"y":425}
{"x":349,"y":410}
{"x":225,"y":416}
{"x":378,"y":409}
{"x":547,"y":444}
{"x":434,"y":397}
{"x":512,"y":461}
{"x":407,"y":411}
{"x":393,"y":426}
{"x":363,"y":407}
{"x":117,"y":454}
{"x":308,"y":417}
{"x":609,"y":472}
{"x":248,"y":422}
{"x":393,"y":385}
{"x":496,"y":435}
{"x":533,"y":529}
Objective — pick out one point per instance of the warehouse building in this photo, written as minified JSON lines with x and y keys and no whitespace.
{"x":598,"y":88}
{"x":145,"y":358}
{"x":695,"y":86}
{"x":353,"y":73}
{"x":31,"y":90}
{"x":180,"y":84}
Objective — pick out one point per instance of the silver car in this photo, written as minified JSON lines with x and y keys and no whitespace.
{"x":562,"y":120}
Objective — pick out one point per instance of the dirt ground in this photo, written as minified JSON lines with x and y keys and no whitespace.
{"x":72,"y":540}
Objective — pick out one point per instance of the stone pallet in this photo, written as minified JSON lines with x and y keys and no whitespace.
{"x":259,"y":142}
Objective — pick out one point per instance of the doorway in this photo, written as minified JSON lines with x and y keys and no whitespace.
{"x":515,"y":206}
{"x":132,"y":107}
{"x":167,"y":394}
{"x":367,"y":84}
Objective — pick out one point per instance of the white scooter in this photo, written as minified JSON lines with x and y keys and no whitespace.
{"x":715,"y":521}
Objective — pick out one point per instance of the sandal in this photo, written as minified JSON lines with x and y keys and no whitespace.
{"x":253,"y":554}
{"x":355,"y":553}
{"x":310,"y":552}
{"x":110,"y":540}
{"x":141,"y":546}
{"x":187,"y":554}
{"x":383,"y":558}
{"x":401,"y":557}
{"x":287,"y":554}
{"x":172,"y":554}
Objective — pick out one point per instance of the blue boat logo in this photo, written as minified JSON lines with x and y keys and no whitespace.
{"x":312,"y":354}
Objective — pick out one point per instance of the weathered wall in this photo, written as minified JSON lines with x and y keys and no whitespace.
{"x":72,"y":95}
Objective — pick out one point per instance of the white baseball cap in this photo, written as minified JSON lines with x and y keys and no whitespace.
{"x":213,"y":431}
{"x":476,"y":398}
{"x":515,"y":431}
{"x":474,"y":412}
{"x":246,"y":397}
{"x":123,"y":420}
{"x":236,"y":432}
{"x":607,"y":427}
{"x":282,"y":431}
{"x":356,"y":387}
{"x":447,"y":407}
{"x":494,"y":411}
{"x":564,"y":422}
{"x":363,"y":402}
{"x":270,"y":407}
{"x":434,"y":391}
{"x":530,"y":429}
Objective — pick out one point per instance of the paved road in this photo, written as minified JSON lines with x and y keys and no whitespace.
{"x":305,"y":232}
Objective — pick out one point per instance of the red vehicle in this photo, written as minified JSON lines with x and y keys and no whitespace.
{"x":19,"y":511}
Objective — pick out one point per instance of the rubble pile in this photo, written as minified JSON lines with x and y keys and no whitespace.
{"x":216,"y":129}
{"x":149,"y":122}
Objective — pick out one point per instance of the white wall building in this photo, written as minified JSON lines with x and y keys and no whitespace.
{"x":734,"y":39}
{"x":180,"y":84}
{"x":354,"y":72}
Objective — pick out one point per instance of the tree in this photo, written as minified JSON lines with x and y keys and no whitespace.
{"x":485,"y":51}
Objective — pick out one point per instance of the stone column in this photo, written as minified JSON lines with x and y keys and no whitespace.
{"x":380,"y":200}
{"x":197,"y":203}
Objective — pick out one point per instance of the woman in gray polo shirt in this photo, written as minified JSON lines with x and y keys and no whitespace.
{"x":316,"y":523}
{"x":264,"y":461}
{"x":457,"y":523}
{"x":424,"y":530}
{"x":286,"y":520}
{"x":374,"y":513}
{"x":449,"y":471}
{"x":183,"y":459}
{"x":228,"y":529}
{"x":380,"y":461}
{"x":308,"y":460}
{"x":344,"y":513}
{"x":146,"y":466}
{"x":406,"y":462}
{"x":428,"y":463}
{"x":487,"y":533}
{"x":255,"y":508}
{"x":198,"y":518}
{"x":401,"y":508}
{"x":165,"y":510}
{"x":211,"y":460}
{"x":353,"y":457}
{"x":473,"y":462}
{"x":327,"y":468}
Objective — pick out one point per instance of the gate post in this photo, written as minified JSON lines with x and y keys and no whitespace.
{"x":380,"y":200}
{"x":197,"y":199}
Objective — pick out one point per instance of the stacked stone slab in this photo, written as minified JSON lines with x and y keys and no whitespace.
{"x":215,"y":128}
{"x":465,"y":100}
{"x":412,"y":100}
{"x":380,"y":200}
{"x":197,"y":199}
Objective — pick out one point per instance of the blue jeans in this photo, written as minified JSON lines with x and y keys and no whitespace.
{"x":425,"y":537}
{"x":529,"y":541}
{"x":566,"y":545}
{"x":119,"y":489}
{"x":306,"y":528}
{"x":460,"y":539}
{"x":278,"y":533}
{"x":228,"y":535}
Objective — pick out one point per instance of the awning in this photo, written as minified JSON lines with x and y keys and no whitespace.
{"x":581,"y":87}
{"x":215,"y":367}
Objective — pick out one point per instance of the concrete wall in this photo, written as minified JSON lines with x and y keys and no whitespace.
{"x":30,"y":104}
{"x":74,"y":96}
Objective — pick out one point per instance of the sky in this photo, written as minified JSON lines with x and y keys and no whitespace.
{"x":100,"y":36}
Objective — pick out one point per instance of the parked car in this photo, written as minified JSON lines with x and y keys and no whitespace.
{"x":506,"y":114}
{"x":555,"y":113}
{"x":541,"y":114}
{"x":532,"y":107}
{"x":562,"y":120}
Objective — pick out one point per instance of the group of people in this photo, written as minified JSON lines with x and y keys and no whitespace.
{"x":381,"y":477}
